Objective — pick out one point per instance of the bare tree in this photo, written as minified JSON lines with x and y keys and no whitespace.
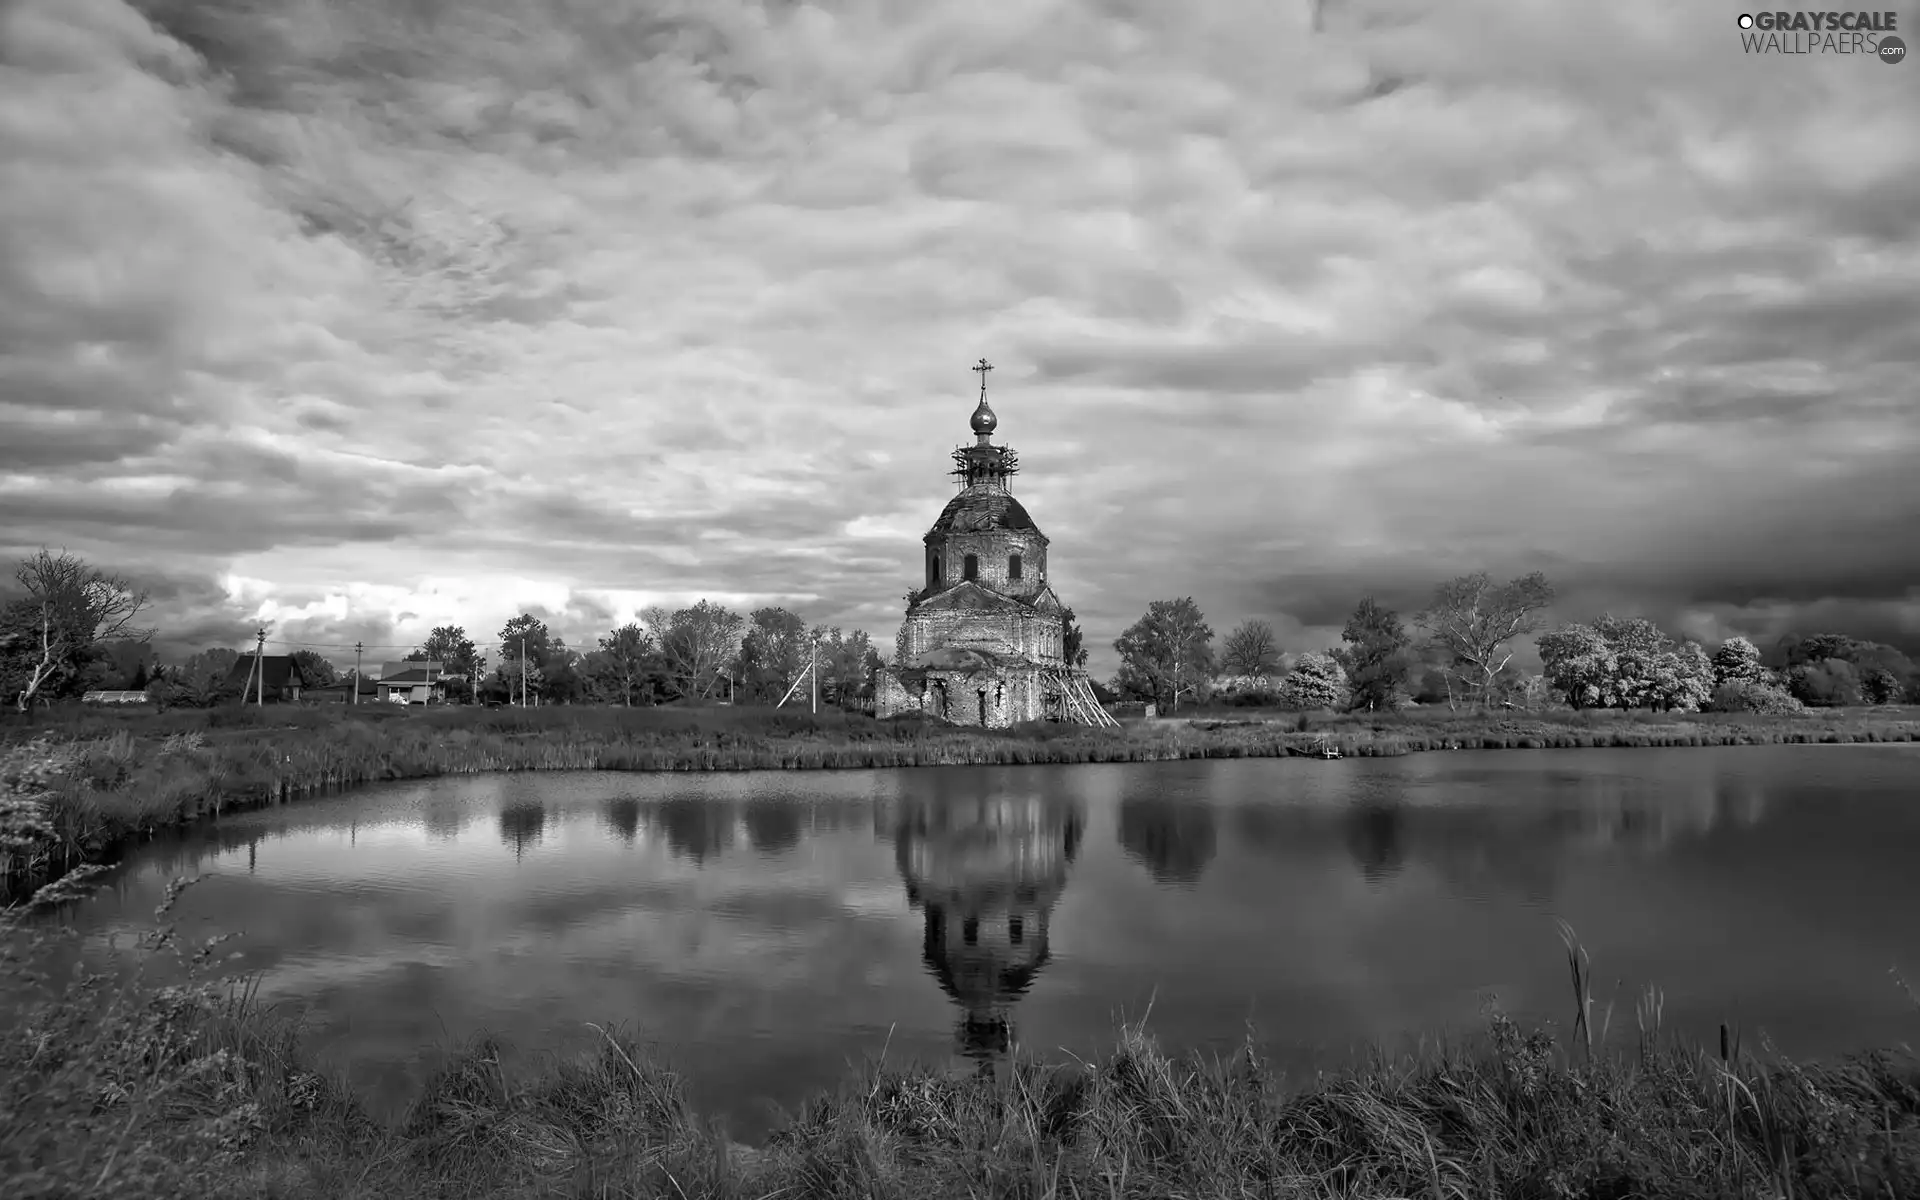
{"x":1250,"y":650}
{"x":70,"y":607}
{"x":1471,"y":621}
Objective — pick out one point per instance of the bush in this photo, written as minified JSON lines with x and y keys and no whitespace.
{"x":1250,"y":699}
{"x":1316,"y":682}
{"x":1747,"y":696}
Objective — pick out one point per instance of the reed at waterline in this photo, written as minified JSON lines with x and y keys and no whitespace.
{"x":80,"y":783}
{"x":198,"y":1090}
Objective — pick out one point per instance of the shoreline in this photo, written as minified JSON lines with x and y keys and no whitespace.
{"x":98,"y":781}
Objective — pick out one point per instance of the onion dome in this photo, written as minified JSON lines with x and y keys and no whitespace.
{"x":978,"y":510}
{"x":984,"y":422}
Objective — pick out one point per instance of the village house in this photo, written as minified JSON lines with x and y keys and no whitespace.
{"x":984,"y":641}
{"x":413,"y":682}
{"x":342,"y":692}
{"x":279,"y":680}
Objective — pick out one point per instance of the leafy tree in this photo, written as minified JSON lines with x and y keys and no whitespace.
{"x":1377,"y":655}
{"x":1879,"y":685}
{"x":1165,"y":652}
{"x":844,"y":676}
{"x":1316,"y":681}
{"x":1872,"y":662}
{"x":1753,"y":695}
{"x":1737,"y":661}
{"x":525,"y":646}
{"x":1622,"y":662}
{"x":1250,"y":650}
{"x":450,"y":646}
{"x":1682,"y":679}
{"x":200,"y":681}
{"x":773,"y":652}
{"x":1471,"y":621}
{"x":1637,"y":645}
{"x":112,"y":665}
{"x":70,"y":608}
{"x":1071,"y":639}
{"x":1826,"y":683}
{"x":1579,"y":666}
{"x":561,"y":679}
{"x":316,"y":669}
{"x":619,"y":669}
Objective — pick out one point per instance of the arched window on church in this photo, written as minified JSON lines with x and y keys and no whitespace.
{"x":933,"y":572}
{"x":970,"y":567}
{"x":1013,"y":566}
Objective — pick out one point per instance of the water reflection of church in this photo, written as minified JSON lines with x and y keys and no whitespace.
{"x":986,"y":872}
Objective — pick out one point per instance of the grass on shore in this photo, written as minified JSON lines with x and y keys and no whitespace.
{"x":103,"y":777}
{"x":199,"y":1091}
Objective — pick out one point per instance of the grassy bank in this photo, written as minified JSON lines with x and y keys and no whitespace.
{"x":118,"y":1090}
{"x":104,"y":777}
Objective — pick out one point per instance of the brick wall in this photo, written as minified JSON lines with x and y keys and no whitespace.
{"x":1011,"y":696}
{"x":993,"y":548}
{"x":1035,"y":635}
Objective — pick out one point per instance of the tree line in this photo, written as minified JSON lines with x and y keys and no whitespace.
{"x":71,"y":630}
{"x":1460,"y":650}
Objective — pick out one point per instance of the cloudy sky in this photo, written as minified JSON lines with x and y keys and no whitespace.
{"x":360,"y":316}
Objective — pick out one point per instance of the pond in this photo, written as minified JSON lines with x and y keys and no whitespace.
{"x":767,"y":929}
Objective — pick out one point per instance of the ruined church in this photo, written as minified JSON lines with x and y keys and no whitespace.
{"x":984,"y":639}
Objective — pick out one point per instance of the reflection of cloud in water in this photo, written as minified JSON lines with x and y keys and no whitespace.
{"x":986,"y":873}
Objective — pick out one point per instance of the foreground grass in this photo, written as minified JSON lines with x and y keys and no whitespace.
{"x":109,"y":777}
{"x":197,"y":1091}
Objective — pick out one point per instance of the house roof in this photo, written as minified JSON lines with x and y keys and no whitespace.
{"x":978,"y":509}
{"x":1047,"y":600}
{"x":390,"y":669}
{"x":279,"y":670}
{"x":970,"y":594}
{"x":967,"y":658}
{"x":415,"y":673}
{"x":368,"y":687}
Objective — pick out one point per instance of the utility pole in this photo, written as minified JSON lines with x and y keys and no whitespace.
{"x":357,"y":648}
{"x":813,"y":668}
{"x":523,"y":671}
{"x":260,"y":663}
{"x":246,"y":689}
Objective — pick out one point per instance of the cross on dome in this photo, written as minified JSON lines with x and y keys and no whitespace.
{"x":984,"y":422}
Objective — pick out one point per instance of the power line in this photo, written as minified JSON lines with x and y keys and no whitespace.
{"x":343,"y":645}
